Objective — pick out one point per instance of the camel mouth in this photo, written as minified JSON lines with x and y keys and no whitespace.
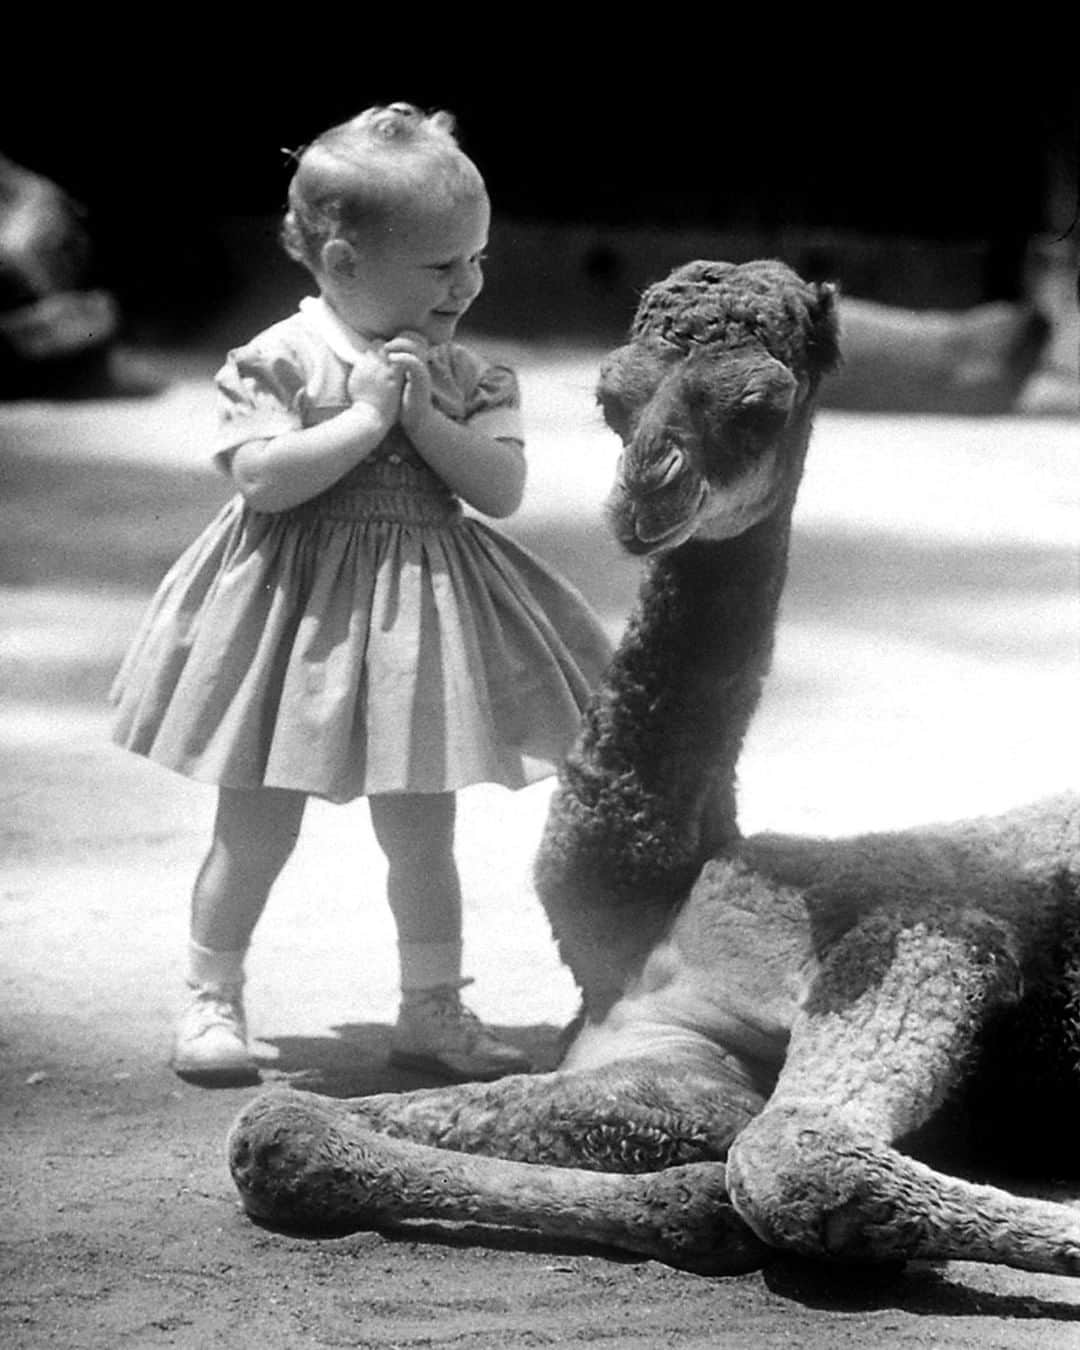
{"x":645,"y":526}
{"x":730,"y":524}
{"x":736,"y":507}
{"x":692,"y":507}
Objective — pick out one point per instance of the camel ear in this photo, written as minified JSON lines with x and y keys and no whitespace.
{"x":823,"y":338}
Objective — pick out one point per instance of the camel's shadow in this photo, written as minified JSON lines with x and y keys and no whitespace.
{"x":920,"y":1288}
{"x":923,"y":1288}
{"x":355,"y":1061}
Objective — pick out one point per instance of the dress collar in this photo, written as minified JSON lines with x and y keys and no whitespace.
{"x":342,"y":340}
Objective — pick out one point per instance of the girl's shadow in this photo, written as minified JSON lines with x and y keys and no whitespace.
{"x":356,"y":1061}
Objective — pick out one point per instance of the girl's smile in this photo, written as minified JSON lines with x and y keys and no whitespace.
{"x":421,"y":274}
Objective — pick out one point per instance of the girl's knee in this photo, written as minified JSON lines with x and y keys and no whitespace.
{"x":414,"y":825}
{"x":263,"y":823}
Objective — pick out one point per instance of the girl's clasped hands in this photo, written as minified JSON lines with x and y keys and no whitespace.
{"x":395,"y":381}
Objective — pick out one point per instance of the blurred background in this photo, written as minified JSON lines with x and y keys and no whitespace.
{"x":925,"y":185}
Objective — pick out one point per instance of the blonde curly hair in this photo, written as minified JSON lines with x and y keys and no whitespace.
{"x":358,"y":174}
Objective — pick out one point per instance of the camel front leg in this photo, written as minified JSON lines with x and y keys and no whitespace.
{"x":302,"y":1164}
{"x":887,"y":1033}
{"x":627,"y":1116}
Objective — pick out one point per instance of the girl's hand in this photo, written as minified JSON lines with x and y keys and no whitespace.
{"x":376,"y":381}
{"x":408,"y":353}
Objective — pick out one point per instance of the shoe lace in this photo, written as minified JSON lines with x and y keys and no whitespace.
{"x":216,"y":1007}
{"x":443,"y":1004}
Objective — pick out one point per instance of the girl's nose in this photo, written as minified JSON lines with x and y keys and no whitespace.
{"x":467,"y":279}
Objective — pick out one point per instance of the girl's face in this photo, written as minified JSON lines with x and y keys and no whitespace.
{"x":421,"y":275}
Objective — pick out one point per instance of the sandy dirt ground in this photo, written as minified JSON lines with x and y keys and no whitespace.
{"x":926,"y":668}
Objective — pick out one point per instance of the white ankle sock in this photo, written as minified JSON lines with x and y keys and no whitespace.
{"x":427,"y":965}
{"x":209,"y":968}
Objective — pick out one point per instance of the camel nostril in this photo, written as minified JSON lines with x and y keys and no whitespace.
{"x":673,"y":464}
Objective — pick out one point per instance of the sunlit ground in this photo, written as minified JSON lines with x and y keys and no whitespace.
{"x":926,"y":668}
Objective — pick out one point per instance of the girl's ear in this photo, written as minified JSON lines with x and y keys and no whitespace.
{"x":339,"y":259}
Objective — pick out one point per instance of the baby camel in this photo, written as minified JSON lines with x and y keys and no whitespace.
{"x":768,"y":1024}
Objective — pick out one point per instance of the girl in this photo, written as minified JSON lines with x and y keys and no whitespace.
{"x":342,"y":628}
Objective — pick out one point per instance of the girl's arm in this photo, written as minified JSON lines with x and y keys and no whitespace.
{"x":280,"y":473}
{"x":487,"y":473}
{"x":283,"y":471}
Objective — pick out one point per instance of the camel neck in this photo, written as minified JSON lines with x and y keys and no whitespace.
{"x":648,"y":793}
{"x":655,"y":761}
{"x":688,"y":676}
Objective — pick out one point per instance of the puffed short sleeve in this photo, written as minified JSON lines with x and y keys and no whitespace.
{"x":259,"y":394}
{"x":493,"y":405}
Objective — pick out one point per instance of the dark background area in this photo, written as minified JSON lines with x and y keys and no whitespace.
{"x":181,"y":161}
{"x":945,"y":164}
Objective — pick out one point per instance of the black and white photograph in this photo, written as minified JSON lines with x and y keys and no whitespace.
{"x":539,"y":686}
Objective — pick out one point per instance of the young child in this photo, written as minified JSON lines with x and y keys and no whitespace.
{"x":343,"y":628}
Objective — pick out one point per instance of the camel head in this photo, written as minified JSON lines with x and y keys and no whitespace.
{"x":712,"y":398}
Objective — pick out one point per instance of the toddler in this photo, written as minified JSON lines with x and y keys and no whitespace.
{"x":343,"y":628}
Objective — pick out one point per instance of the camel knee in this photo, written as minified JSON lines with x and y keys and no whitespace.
{"x":809,"y":1182}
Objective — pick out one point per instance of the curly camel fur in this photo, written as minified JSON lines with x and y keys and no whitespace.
{"x":770,"y":1025}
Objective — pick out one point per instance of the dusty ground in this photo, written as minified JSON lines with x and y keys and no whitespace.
{"x":926,"y":668}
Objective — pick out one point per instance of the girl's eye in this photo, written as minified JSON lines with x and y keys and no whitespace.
{"x":473,"y":261}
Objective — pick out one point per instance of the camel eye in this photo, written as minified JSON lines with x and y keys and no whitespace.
{"x":766,"y":402}
{"x":616,"y":413}
{"x":628,"y":380}
{"x":761,"y":416}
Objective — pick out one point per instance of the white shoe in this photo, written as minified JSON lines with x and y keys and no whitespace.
{"x":211,"y":1038}
{"x":437,"y":1033}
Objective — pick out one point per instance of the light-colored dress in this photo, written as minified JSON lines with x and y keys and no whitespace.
{"x":374,"y":639}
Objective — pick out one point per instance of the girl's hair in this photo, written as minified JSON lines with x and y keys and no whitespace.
{"x":360,"y":173}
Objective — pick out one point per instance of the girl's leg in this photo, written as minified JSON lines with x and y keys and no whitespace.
{"x":435,"y":1031}
{"x":416,"y":832}
{"x":254,"y":834}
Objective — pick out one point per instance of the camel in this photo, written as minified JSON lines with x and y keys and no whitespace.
{"x":771,"y":1027}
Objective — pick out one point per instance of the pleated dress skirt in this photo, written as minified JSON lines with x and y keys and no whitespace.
{"x":374,"y":640}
